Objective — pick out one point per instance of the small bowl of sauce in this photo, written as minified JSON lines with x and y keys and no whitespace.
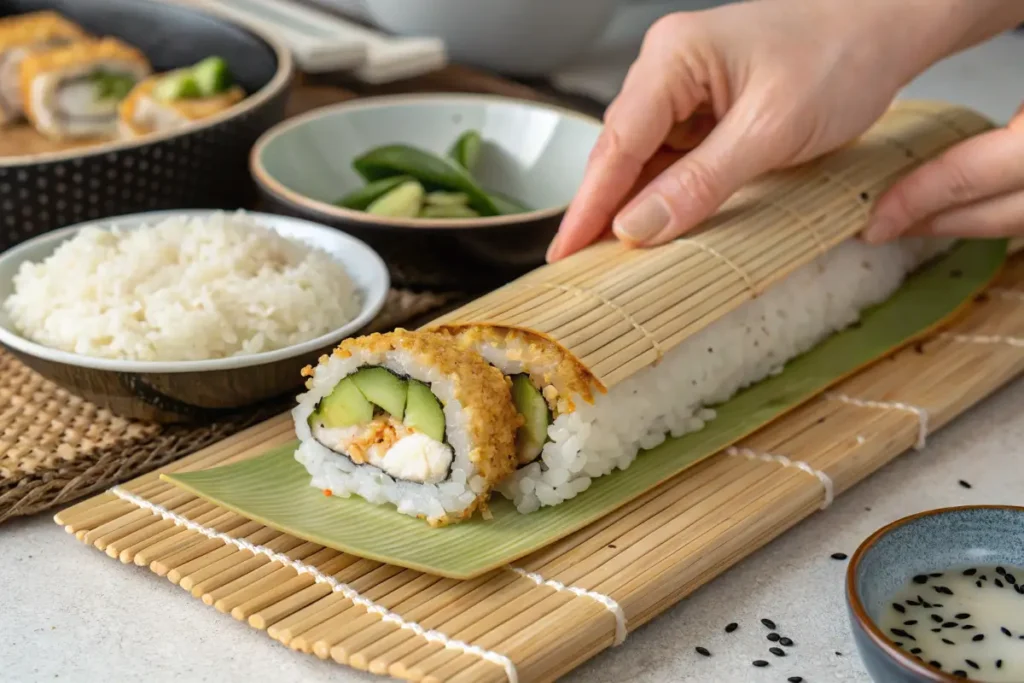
{"x":939,"y":596}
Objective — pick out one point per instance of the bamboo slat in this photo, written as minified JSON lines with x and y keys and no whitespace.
{"x":618,"y":310}
{"x":569,"y":601}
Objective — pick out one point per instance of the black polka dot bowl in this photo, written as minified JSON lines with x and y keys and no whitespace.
{"x":204,"y":165}
{"x":175,"y":391}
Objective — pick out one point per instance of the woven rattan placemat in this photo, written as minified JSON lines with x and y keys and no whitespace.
{"x":56,"y":447}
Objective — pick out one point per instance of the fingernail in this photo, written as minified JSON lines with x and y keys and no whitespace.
{"x":880,"y":230}
{"x":644,"y":221}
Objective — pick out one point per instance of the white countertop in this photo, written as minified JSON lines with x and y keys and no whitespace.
{"x":69,"y":612}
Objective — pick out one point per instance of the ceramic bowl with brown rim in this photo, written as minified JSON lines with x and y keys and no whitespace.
{"x":47,"y":184}
{"x":930,"y":550}
{"x":534,"y":153}
{"x":195,"y":390}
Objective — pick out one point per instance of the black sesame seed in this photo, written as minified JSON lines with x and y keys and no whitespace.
{"x":899,"y":608}
{"x":1000,"y":571}
{"x":978,"y":584}
{"x":967,"y":627}
{"x":942,"y":589}
{"x":937,"y":665}
{"x":795,"y":679}
{"x":1021,"y":637}
{"x":702,"y":651}
{"x":786,"y":642}
{"x":839,"y":556}
{"x":838,"y":653}
{"x":947,"y":641}
{"x":1019,"y":588}
{"x":999,"y":664}
{"x":768,"y":624}
{"x":774,"y":637}
{"x":998,"y":583}
{"x":970,"y":572}
{"x":777,"y":651}
{"x":901,"y":633}
{"x":950,"y":624}
{"x":915,"y":603}
{"x":924,"y":603}
{"x":910,"y":622}
{"x":938,"y":604}
{"x":759,"y":663}
{"x":920,"y":578}
{"x":965,"y":484}
{"x":898,"y":644}
{"x":962,"y":615}
{"x":915,"y":650}
{"x":935,"y":575}
{"x":984,"y":578}
{"x":936,"y":618}
{"x":971,"y":664}
{"x":979,"y":637}
{"x":1010,"y":579}
{"x":864,"y":196}
{"x":936,"y":630}
{"x":729,"y":628}
{"x":1005,"y":630}
{"x":961,"y":673}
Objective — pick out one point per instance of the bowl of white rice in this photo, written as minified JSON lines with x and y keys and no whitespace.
{"x":189,"y":315}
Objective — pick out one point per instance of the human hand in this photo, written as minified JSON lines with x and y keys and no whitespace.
{"x":752,"y":87}
{"x":974,"y":189}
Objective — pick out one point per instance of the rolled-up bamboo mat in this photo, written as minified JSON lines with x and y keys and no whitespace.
{"x":618,"y":310}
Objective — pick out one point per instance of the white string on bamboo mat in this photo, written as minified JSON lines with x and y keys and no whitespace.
{"x":826,"y":481}
{"x":570,"y":289}
{"x":693,"y":241}
{"x":347,"y":591}
{"x":984,"y":339}
{"x":920,"y":413}
{"x":608,"y":602}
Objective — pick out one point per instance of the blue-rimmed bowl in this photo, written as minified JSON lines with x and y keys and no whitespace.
{"x":931,"y":541}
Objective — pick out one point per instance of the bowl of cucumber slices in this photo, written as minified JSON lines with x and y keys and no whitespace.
{"x":455,"y":191}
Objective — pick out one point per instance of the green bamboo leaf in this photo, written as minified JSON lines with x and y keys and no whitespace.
{"x":274,"y":489}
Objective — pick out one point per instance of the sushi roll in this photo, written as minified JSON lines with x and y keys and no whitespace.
{"x":407,"y":418}
{"x":20,"y":36}
{"x":586,"y":439}
{"x":73,"y":92}
{"x":172,"y":100}
{"x":546,"y":379}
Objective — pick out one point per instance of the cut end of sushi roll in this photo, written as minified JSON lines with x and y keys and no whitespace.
{"x":546,"y":378}
{"x":173,"y":100}
{"x":20,"y":36}
{"x":74,"y":92}
{"x":410,"y":419}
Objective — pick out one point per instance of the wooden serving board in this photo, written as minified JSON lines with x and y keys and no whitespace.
{"x":556,"y":608}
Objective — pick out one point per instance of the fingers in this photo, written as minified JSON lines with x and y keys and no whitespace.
{"x":653,"y":98}
{"x":737,"y":150}
{"x":1001,"y":216}
{"x":982,"y":167}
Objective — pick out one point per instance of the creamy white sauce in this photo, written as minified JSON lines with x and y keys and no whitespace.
{"x":940,"y":634}
{"x":152,"y":115}
{"x":414,"y":457}
{"x":50,"y":97}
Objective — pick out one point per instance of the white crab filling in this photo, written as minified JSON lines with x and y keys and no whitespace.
{"x":150,"y":114}
{"x":390,"y":446}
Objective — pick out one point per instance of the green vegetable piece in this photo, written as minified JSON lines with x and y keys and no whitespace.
{"x":383,"y":388}
{"x":448,"y":212}
{"x":111,"y":86}
{"x":212,"y":76}
{"x":368,"y":194}
{"x":423,"y":411}
{"x":466,"y":150}
{"x":429,"y":169}
{"x":529,"y":402}
{"x":345,"y":406}
{"x":446,"y":198}
{"x":506,"y":205}
{"x":402,"y":202}
{"x":177,"y":85}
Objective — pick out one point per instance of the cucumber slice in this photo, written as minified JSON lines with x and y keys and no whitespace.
{"x":429,"y":169}
{"x":454,"y":211}
{"x":345,"y":406}
{"x":368,"y":194}
{"x":177,"y":85}
{"x":111,"y":86}
{"x":212,"y":76}
{"x":383,"y":388}
{"x":505,"y":204}
{"x":402,"y":202}
{"x":529,"y":402}
{"x":446,"y":198}
{"x":423,"y":411}
{"x":466,"y":150}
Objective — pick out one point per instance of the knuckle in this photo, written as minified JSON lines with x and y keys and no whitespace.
{"x":957,"y":185}
{"x":693,"y":183}
{"x":666,"y":30}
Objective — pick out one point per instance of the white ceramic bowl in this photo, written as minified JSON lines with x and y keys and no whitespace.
{"x":519,"y":37}
{"x":176,"y":391}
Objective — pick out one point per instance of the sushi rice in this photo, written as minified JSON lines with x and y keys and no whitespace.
{"x":741,"y":348}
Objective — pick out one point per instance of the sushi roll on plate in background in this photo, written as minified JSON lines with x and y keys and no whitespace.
{"x":74,"y":91}
{"x":172,"y":100}
{"x":20,"y":36}
{"x":407,"y":418}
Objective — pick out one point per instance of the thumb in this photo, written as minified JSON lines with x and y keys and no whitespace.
{"x":741,"y":147}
